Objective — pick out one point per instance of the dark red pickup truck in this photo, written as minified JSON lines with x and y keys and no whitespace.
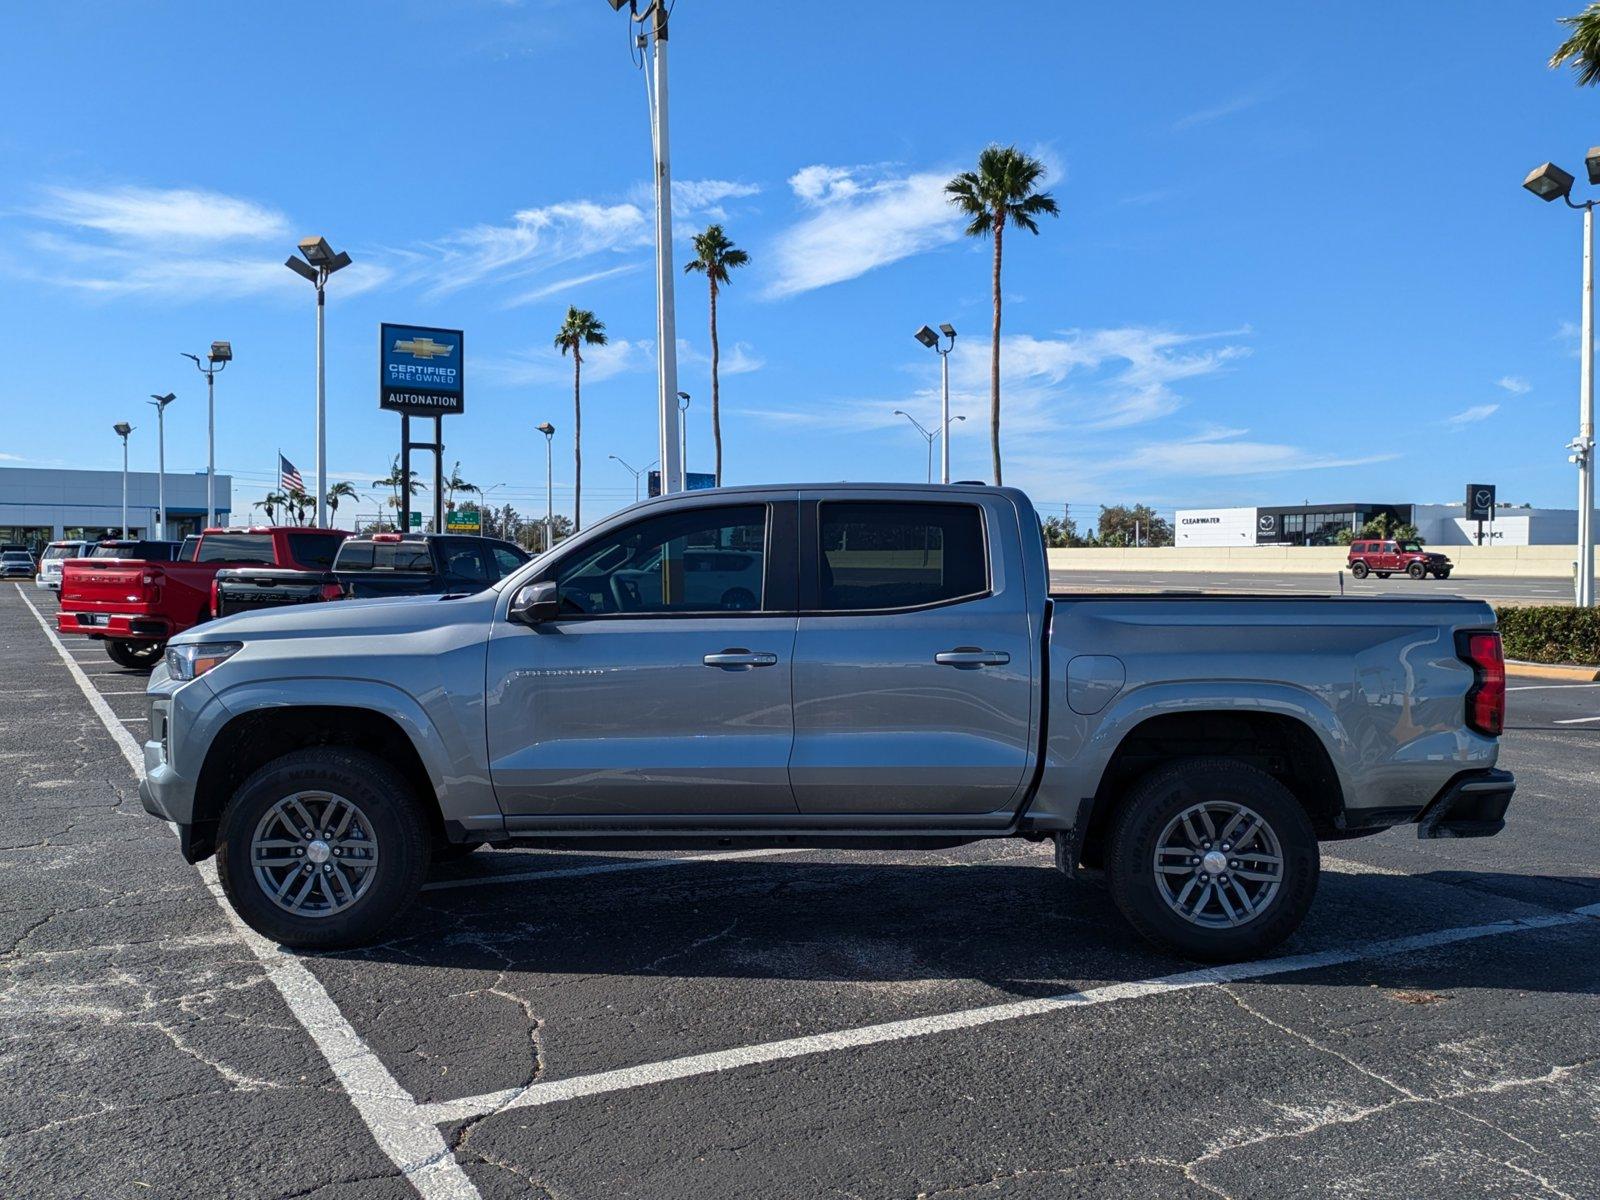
{"x":135,"y":605}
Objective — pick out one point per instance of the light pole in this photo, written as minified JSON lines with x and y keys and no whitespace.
{"x":632,"y":472}
{"x":220,"y":355}
{"x":122,"y":430}
{"x":161,"y":403}
{"x":320,"y":262}
{"x":683,"y":435}
{"x":653,"y":31}
{"x":1548,"y":182}
{"x":931,"y":438}
{"x":549,"y":432}
{"x":930,"y":339}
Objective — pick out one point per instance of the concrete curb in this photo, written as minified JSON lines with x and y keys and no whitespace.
{"x":1552,"y":671}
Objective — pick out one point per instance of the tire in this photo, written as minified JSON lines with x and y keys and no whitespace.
{"x":1417,"y":571}
{"x":1359,"y":569}
{"x":1150,"y":816}
{"x":136,"y":656}
{"x":1441,"y":574}
{"x":385,"y":810}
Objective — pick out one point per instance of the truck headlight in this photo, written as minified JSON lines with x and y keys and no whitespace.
{"x":194,"y":659}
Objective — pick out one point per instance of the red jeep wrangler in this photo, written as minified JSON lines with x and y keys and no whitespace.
{"x":134,"y":605}
{"x":1384,"y":558}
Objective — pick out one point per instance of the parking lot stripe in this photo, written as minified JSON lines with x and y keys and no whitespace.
{"x":413,"y":1143}
{"x":636,"y":864}
{"x":1545,"y":687}
{"x":1577,"y":720}
{"x":628,"y":1078}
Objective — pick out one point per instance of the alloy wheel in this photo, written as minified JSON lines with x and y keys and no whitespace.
{"x":314,"y":854}
{"x":1218,"y":864}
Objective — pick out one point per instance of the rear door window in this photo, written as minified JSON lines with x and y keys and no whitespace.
{"x":876,"y":556}
{"x":237,"y":548}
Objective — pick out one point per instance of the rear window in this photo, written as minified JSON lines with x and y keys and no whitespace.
{"x":314,"y":550}
{"x":384,"y":556}
{"x":54,"y":552}
{"x":878,"y":556}
{"x":146,"y":551}
{"x":236,"y":548}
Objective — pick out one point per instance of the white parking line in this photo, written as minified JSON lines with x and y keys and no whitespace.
{"x":1578,"y":720}
{"x":627,"y":1078}
{"x":636,"y":864}
{"x":412,"y":1143}
{"x":1547,"y":687}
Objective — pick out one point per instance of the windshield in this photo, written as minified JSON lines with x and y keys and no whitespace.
{"x":1411,"y":547}
{"x":17,"y":556}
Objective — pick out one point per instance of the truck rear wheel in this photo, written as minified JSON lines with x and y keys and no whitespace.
{"x":136,"y":656}
{"x":1213,"y":859}
{"x":1359,"y":569}
{"x":322,"y":848}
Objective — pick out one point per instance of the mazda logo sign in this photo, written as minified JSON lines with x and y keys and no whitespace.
{"x":1266,"y":523}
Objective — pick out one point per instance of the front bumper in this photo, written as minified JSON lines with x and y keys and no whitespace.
{"x":1472,"y":805}
{"x":131,"y":627}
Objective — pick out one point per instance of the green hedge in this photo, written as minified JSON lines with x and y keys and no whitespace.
{"x":1551,"y":634}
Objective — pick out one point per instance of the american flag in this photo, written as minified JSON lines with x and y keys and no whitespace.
{"x":288,"y":477}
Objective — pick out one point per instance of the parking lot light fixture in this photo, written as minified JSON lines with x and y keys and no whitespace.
{"x":549,"y":432}
{"x":161,"y":403}
{"x":320,"y":261}
{"x":930,"y":339}
{"x":635,"y":473}
{"x":122,"y":429}
{"x":217,"y":358}
{"x":927,"y":337}
{"x":1548,"y":182}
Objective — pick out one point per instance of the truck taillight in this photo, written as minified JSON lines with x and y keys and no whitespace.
{"x":332,"y":591}
{"x":1486,"y":698}
{"x":216,"y":598}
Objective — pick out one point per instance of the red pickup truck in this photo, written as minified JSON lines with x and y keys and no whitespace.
{"x":135,"y":605}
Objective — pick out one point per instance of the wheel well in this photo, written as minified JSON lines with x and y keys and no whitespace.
{"x":1283,"y":747}
{"x":250,"y":741}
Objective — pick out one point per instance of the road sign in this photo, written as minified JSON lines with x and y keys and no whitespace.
{"x":420,"y":370}
{"x":1480,"y":501}
{"x":468,"y":520}
{"x":416,"y":520}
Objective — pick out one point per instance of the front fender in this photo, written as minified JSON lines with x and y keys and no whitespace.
{"x":452,"y":756}
{"x":1079,"y":748}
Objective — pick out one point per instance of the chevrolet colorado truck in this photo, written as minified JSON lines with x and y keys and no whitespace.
{"x":901,"y":677}
{"x":135,"y":604}
{"x":380,"y":564}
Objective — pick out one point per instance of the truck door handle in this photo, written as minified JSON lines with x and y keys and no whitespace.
{"x":971,"y":656}
{"x":737,"y":658}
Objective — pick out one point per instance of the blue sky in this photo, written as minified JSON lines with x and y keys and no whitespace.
{"x":1293,"y":260}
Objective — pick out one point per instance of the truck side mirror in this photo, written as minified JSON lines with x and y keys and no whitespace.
{"x":535,"y":603}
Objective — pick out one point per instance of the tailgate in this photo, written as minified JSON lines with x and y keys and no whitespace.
{"x":246,"y":591}
{"x":122,"y":585}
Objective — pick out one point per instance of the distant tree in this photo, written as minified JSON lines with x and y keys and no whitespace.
{"x":1581,"y":50}
{"x":1003,"y":190}
{"x":1381,"y":526}
{"x":579,"y":329}
{"x":271,"y":503}
{"x":344,"y":489}
{"x":1060,"y":532}
{"x":456,"y":484}
{"x":716,"y":256}
{"x":393,"y":480}
{"x":1124,"y":525}
{"x":531,"y":535}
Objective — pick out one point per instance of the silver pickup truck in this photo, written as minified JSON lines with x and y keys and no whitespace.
{"x":838,"y":665}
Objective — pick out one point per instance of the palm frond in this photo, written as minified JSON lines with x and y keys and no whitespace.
{"x":1582,"y":48}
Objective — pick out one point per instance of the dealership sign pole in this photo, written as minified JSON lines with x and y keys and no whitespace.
{"x":420,"y":374}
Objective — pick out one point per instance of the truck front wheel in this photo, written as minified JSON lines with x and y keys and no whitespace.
{"x":1417,"y":571}
{"x":1359,"y":569}
{"x":136,"y":656}
{"x":1213,"y":859}
{"x":322,"y":848}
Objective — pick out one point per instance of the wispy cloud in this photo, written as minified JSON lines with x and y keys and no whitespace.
{"x":145,"y":214}
{"x":548,"y":365}
{"x":861,"y":218}
{"x":559,"y":286}
{"x":1467,"y":416}
{"x":741,"y":359}
{"x":1229,"y":452}
{"x":1514,"y":384}
{"x":1230,"y":106}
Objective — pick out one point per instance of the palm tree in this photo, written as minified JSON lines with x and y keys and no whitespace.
{"x":393,"y":480}
{"x":579,"y":329}
{"x":271,"y":502}
{"x":716,"y":256}
{"x":337,"y":491}
{"x":1582,"y":48}
{"x":1003,"y":189}
{"x":457,"y":484}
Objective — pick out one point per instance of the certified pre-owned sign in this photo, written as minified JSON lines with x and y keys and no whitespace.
{"x":420,"y":370}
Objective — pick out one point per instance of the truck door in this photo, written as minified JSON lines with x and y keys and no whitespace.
{"x":663,"y":688}
{"x":914,"y":659}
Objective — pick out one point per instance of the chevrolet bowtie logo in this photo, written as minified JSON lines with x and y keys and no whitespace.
{"x":422,"y":347}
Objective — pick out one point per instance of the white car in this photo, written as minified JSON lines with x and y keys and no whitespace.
{"x":15,"y":563}
{"x":55,"y":554}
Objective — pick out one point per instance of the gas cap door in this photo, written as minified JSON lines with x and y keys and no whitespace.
{"x":1092,"y":680}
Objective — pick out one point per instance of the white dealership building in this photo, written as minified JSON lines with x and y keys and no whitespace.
{"x":38,"y":506}
{"x":1320,"y":524}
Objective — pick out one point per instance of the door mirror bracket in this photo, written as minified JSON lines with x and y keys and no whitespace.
{"x":535,"y":603}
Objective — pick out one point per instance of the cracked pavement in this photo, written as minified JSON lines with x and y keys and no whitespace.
{"x":146,"y":1053}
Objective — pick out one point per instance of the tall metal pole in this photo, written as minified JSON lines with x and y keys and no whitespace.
{"x":124,"y":487}
{"x":672,"y":479}
{"x":161,"y":466}
{"x":322,"y":412}
{"x":211,"y":449}
{"x":549,"y":493}
{"x":1585,"y":447}
{"x":944,"y":416}
{"x":683,"y":436}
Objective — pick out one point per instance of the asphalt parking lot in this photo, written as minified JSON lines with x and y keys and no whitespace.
{"x":838,"y":1024}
